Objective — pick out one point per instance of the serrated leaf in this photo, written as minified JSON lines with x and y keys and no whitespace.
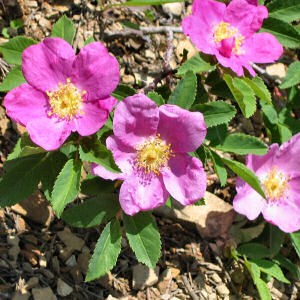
{"x":276,"y":239}
{"x":219,"y":167}
{"x":243,"y":94}
{"x":99,"y":154}
{"x":146,"y":2}
{"x":259,"y":88}
{"x":65,"y":29}
{"x":122,"y":91}
{"x":67,"y":186}
{"x":216,"y":135}
{"x":216,"y":113}
{"x":246,"y":174}
{"x":22,"y":179}
{"x":143,"y":237}
{"x":270,"y":268}
{"x":94,"y":185}
{"x":269,"y":112}
{"x":253,"y":250}
{"x":92,"y":212}
{"x":200,"y":202}
{"x":295,"y":238}
{"x":243,"y":144}
{"x":285,"y":33}
{"x":157,"y":98}
{"x":13,"y":79}
{"x":196,"y":64}
{"x":185,"y":91}
{"x":12,"y":50}
{"x":287,"y":264}
{"x":53,"y":164}
{"x":106,"y":251}
{"x":292,"y":76}
{"x":287,"y":10}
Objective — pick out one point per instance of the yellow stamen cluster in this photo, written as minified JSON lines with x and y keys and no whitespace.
{"x":224,"y":31}
{"x":275,"y":184}
{"x":153,"y":155}
{"x":66,"y":101}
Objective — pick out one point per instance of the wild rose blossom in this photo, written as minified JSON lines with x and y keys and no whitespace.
{"x":150,"y":146}
{"x":229,"y":33}
{"x":279,"y":173}
{"x":64,"y":92}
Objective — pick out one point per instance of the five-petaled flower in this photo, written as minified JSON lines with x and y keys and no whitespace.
{"x":64,"y":92}
{"x":150,"y":146}
{"x":229,"y":33}
{"x":279,"y":173}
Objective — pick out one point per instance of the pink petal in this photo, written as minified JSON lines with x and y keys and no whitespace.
{"x":234,"y":63}
{"x":46,"y":64}
{"x":25,"y":103}
{"x":287,"y":158}
{"x":95,"y":71}
{"x":124,"y":156}
{"x":136,"y":194}
{"x":92,"y":120}
{"x":186,"y":179}
{"x":49,"y":133}
{"x":226,"y":46}
{"x":105,"y":174}
{"x":262,"y":48}
{"x":261,"y":164}
{"x":135,"y":119}
{"x":248,"y":202}
{"x":183,"y":129}
{"x":108,"y":103}
{"x":283,"y":215}
{"x":245,"y":16}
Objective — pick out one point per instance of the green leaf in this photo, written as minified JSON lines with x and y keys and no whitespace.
{"x":287,"y":264}
{"x":65,"y":29}
{"x":284,"y":132}
{"x":89,"y":40}
{"x":263,"y":290}
{"x":292,"y":76}
{"x":253,"y":250}
{"x":22,"y":179}
{"x":106,"y":252}
{"x":94,"y":185}
{"x":276,"y":239}
{"x":243,"y":94}
{"x":16,"y":151}
{"x":295,"y":238}
{"x":16,"y":24}
{"x":53,"y":164}
{"x":196,"y":64}
{"x":245,"y":235}
{"x":216,"y":113}
{"x":143,"y":237}
{"x":146,"y":2}
{"x":246,"y":174}
{"x":270,"y":113}
{"x":157,"y":98}
{"x":12,"y":50}
{"x":185,"y":91}
{"x":270,"y":268}
{"x":96,"y":152}
{"x":122,"y":91}
{"x":216,"y":135}
{"x":243,"y":144}
{"x":253,"y":270}
{"x":200,"y":202}
{"x":285,"y":33}
{"x":92,"y":212}
{"x":287,"y":10}
{"x":67,"y":186}
{"x":259,"y":88}
{"x":219,"y":167}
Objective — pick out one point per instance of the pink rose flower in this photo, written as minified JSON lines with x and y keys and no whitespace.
{"x":279,"y":173}
{"x":229,"y":33}
{"x":64,"y":92}
{"x":150,"y":146}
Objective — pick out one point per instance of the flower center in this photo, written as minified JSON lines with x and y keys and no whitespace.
{"x":153,"y":155}
{"x":275,"y":184}
{"x":225,"y":31}
{"x":66,"y":101}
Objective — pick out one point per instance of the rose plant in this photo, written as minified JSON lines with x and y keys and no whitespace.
{"x":143,"y":151}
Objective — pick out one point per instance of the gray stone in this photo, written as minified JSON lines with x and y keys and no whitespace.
{"x":63,"y":289}
{"x":43,"y":294}
{"x":144,"y":277}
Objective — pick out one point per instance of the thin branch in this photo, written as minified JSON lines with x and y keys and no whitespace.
{"x":189,"y":288}
{"x":263,"y":72}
